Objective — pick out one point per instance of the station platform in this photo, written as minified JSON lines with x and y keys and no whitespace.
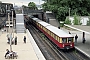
{"x":25,"y":51}
{"x":84,"y":48}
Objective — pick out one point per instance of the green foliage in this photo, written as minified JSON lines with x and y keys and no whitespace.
{"x":24,"y":6}
{"x":76,"y":20}
{"x":61,"y":7}
{"x":67,"y":21}
{"x":88,"y":22}
{"x":32,"y":5}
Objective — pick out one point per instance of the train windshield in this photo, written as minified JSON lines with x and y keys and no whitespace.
{"x":64,"y":40}
{"x":70,"y":40}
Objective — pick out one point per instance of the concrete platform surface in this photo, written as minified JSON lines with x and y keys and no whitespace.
{"x":24,"y":51}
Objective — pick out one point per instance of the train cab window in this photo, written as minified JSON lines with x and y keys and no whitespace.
{"x":70,"y":40}
{"x":64,"y":40}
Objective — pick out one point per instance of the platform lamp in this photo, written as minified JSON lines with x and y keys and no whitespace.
{"x":12,"y":22}
{"x":69,"y":13}
{"x":10,"y":36}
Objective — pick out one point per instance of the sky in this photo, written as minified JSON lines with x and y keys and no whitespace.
{"x":22,"y":2}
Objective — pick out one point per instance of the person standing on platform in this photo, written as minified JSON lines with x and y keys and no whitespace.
{"x":83,"y":40}
{"x":24,"y":39}
{"x":15,"y":40}
{"x":76,"y":38}
{"x":69,"y":32}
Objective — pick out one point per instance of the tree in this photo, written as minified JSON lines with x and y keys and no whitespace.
{"x":61,"y":7}
{"x":24,"y":6}
{"x":32,"y":5}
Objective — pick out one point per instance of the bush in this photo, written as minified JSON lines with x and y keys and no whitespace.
{"x":76,"y":20}
{"x":88,"y":22}
{"x":67,"y":21}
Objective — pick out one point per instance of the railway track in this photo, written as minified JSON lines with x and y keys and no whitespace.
{"x":46,"y":48}
{"x":50,"y":51}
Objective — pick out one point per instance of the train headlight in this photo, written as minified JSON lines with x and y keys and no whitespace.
{"x":70,"y":44}
{"x":63,"y":45}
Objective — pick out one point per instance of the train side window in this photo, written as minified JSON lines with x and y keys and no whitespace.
{"x":70,"y":40}
{"x":56,"y":37}
{"x":60,"y":40}
{"x":64,"y":40}
{"x":48,"y":32}
{"x":45,"y":29}
{"x":51,"y":33}
{"x":37,"y":23}
{"x":41,"y":26}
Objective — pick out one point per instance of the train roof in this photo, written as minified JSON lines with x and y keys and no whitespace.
{"x":54,"y":29}
{"x":37,"y":20}
{"x":58,"y":32}
{"x":44,"y":24}
{"x":41,"y":22}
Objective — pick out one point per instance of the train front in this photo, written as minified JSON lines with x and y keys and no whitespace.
{"x":67,"y":43}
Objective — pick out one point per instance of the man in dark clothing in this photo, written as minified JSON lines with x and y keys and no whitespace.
{"x":83,"y":40}
{"x":69,"y":33}
{"x":7,"y":52}
{"x":15,"y":40}
{"x":24,"y":39}
{"x":76,"y":38}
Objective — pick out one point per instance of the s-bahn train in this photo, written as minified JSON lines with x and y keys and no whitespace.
{"x":62,"y":39}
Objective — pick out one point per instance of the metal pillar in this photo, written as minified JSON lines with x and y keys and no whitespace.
{"x":12,"y":24}
{"x":69,"y":13}
{"x":9,"y":32}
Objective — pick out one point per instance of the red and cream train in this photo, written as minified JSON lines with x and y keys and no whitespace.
{"x":62,"y":39}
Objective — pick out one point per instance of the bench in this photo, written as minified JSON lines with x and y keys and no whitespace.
{"x":11,"y":56}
